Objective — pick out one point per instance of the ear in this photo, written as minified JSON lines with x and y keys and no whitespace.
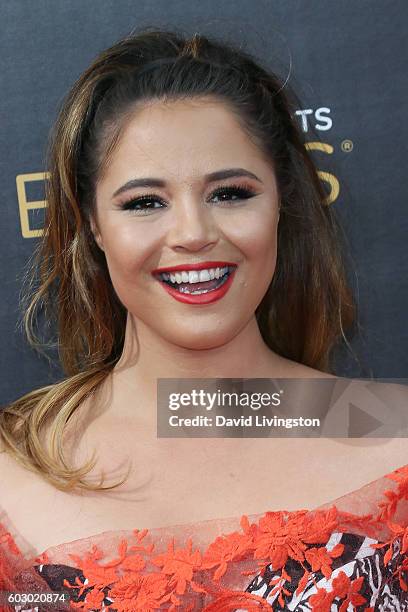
{"x":96,"y":233}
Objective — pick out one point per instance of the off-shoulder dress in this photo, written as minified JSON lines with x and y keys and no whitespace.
{"x":350,"y":554}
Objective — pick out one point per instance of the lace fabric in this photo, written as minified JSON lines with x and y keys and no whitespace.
{"x":350,"y":554}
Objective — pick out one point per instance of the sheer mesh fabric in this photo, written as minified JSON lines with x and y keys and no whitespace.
{"x":349,"y":554}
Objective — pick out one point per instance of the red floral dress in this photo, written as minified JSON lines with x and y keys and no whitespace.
{"x":351,"y":554}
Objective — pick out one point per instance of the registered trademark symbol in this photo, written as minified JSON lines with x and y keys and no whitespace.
{"x":347,"y":146}
{"x":281,"y":391}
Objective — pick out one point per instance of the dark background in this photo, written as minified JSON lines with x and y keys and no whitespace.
{"x":349,"y":57}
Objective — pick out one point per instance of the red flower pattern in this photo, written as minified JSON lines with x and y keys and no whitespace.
{"x":140,"y":579}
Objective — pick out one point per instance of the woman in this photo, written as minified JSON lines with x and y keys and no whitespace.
{"x":187,"y":237}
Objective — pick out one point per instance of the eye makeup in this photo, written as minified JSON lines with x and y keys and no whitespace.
{"x":230,"y":195}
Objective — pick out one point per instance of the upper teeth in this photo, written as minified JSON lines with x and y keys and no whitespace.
{"x":194,"y":276}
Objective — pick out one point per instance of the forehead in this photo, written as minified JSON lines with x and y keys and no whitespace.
{"x":182,"y":140}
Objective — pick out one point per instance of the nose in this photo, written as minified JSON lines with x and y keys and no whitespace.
{"x":193,"y":227}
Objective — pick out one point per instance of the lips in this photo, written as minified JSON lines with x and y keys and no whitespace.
{"x":200,"y":283}
{"x":196,"y":266}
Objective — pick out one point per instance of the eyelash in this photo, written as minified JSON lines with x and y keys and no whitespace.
{"x":244,"y":192}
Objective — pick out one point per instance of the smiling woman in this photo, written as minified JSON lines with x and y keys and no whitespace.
{"x":187,"y":235}
{"x":213,"y":235}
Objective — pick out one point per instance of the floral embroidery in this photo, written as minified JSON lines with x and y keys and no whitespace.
{"x":7,"y":542}
{"x":7,"y":539}
{"x":140,"y":592}
{"x":224,"y":550}
{"x":344,"y":588}
{"x":279,"y":589}
{"x":321,"y":558}
{"x":277,"y":537}
{"x":180,"y":565}
{"x":287,"y":553}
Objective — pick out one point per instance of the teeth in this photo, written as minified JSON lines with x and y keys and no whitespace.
{"x":204,"y":276}
{"x":194,"y":276}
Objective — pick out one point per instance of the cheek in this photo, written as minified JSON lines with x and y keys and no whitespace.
{"x":126,"y":254}
{"x":256,"y":237}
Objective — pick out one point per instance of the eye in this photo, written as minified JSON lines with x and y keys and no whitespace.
{"x":149,"y":203}
{"x":233,"y":193}
{"x":143,"y":205}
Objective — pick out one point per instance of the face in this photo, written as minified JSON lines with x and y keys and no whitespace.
{"x":187,"y":215}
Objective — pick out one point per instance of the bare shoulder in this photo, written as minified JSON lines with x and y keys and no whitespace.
{"x":14,"y":480}
{"x":292,"y":369}
{"x":9,"y":467}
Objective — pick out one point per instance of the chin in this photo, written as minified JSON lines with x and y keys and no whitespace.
{"x":202,"y":339}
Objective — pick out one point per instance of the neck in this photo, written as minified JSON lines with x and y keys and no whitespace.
{"x":147,"y":357}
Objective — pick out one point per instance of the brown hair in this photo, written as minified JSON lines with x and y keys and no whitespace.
{"x":308,"y":303}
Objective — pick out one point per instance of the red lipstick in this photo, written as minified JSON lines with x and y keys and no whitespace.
{"x":207,"y":297}
{"x":203,"y":298}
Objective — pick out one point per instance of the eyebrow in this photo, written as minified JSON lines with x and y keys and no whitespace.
{"x":219,"y":175}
